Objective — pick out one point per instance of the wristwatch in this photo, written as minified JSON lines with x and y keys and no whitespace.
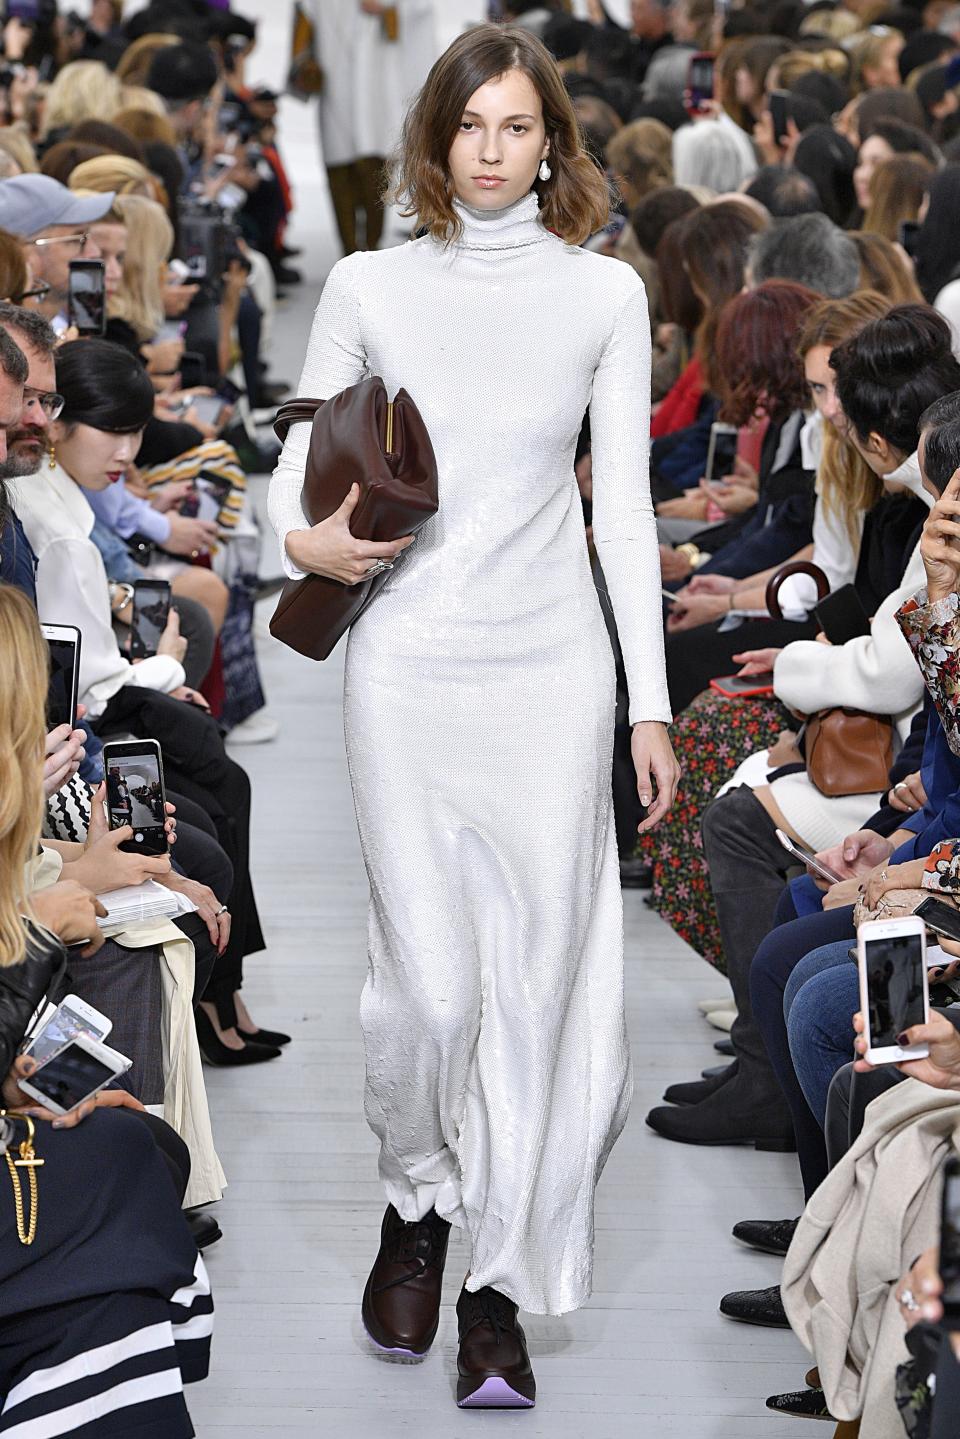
{"x":694,"y":554}
{"x":121,"y":595}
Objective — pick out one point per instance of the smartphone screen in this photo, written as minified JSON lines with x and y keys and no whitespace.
{"x":151,"y":608}
{"x":135,"y":794}
{"x":69,"y":1077}
{"x":939,"y":917}
{"x":778,"y":114}
{"x":62,"y":1026}
{"x":950,"y":1243}
{"x":87,"y":296}
{"x":64,"y":679}
{"x":895,"y":987}
{"x":721,"y":451}
{"x":699,"y":82}
{"x":208,"y":408}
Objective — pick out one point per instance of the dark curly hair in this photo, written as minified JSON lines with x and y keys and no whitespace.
{"x":756,"y":358}
{"x":892,"y":371}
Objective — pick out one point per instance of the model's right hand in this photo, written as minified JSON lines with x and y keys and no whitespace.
{"x":330,"y":549}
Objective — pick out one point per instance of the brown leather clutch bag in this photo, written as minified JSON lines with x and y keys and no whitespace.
{"x":361,"y":437}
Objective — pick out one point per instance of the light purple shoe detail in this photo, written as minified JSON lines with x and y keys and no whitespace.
{"x":495,"y":1393}
{"x":409,"y":1356}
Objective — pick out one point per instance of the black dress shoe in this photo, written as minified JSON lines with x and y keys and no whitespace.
{"x":401,"y":1301}
{"x":203,"y":1227}
{"x":493,"y":1366}
{"x":635,"y":873}
{"x":714,"y":1071}
{"x":272,"y":1037}
{"x":770,"y":1236}
{"x":731,"y":1115}
{"x":756,"y":1306}
{"x":724,"y":1046}
{"x":699,"y":1089}
{"x":215,"y":1052}
{"x":804,"y":1404}
{"x":287,"y":275}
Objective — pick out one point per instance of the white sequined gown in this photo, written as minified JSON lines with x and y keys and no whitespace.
{"x":479,"y":710}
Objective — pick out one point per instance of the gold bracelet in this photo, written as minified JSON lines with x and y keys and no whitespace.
{"x":28,"y":1160}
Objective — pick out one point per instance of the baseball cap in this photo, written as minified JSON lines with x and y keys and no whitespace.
{"x":31,"y":203}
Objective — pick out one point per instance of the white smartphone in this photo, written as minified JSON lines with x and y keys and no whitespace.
{"x":71,"y":1017}
{"x":669,"y":596}
{"x":76,"y":1072}
{"x":807,"y":857}
{"x":892,"y":959}
{"x":63,"y":643}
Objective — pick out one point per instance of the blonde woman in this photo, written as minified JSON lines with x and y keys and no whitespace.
{"x":139,"y":299}
{"x":97,"y":1247}
{"x":116,"y":173}
{"x":83,"y":90}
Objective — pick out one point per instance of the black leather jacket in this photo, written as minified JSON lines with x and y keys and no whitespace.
{"x":22,"y":987}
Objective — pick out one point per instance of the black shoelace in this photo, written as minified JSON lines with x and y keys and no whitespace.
{"x":420,"y":1243}
{"x":486,"y":1306}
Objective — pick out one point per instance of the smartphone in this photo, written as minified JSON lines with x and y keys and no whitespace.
{"x":71,"y":1017}
{"x":778,"y":114}
{"x":63,"y":642}
{"x":208,"y":408}
{"x":135,"y":793}
{"x":941,"y":918}
{"x":151,"y":608}
{"x":950,"y":1242}
{"x":87,"y":296}
{"x":76,"y":1072}
{"x":699,"y":88}
{"x":669,"y":596}
{"x":807,"y":857}
{"x":891,"y":956}
{"x":721,"y":450}
{"x":735,"y":686}
{"x":842,"y":616}
{"x":907,"y":232}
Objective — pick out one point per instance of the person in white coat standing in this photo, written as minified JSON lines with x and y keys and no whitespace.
{"x":374,"y":56}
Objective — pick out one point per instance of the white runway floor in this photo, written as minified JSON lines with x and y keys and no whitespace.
{"x":650,"y":1356}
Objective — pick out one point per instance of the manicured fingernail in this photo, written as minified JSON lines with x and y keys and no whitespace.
{"x":644,"y":799}
{"x":903,"y":1038}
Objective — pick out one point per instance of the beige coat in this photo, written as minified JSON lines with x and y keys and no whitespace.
{"x":866,"y":1224}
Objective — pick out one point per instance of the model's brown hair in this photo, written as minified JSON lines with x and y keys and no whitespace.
{"x":574,"y":202}
{"x":25,"y":664}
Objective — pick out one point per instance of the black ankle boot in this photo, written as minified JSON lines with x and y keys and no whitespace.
{"x":699,"y":1089}
{"x":737,"y":1113}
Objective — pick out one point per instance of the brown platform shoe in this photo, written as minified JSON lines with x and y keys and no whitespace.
{"x":493,"y":1365}
{"x":401,"y":1302}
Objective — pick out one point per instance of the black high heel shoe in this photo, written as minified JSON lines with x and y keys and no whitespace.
{"x":272,"y":1037}
{"x":215,"y":1052}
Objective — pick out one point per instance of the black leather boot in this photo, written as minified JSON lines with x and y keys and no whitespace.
{"x":493,"y":1365}
{"x":401,"y":1303}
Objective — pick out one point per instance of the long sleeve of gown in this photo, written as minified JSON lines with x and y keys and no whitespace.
{"x":335,"y":360}
{"x":624,"y":524}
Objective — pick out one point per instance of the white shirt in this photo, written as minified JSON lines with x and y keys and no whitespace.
{"x":72,"y":587}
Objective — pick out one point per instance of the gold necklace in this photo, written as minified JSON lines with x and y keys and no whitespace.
{"x":28,"y":1160}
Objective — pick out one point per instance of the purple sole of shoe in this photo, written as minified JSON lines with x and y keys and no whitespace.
{"x":495,"y":1393}
{"x":401,"y":1356}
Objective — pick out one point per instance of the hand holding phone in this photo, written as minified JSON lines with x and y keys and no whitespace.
{"x":151,"y":610}
{"x":87,"y":297}
{"x":891,"y":958}
{"x":808,"y":858}
{"x":136,"y":795}
{"x":74,"y":1074}
{"x":71,"y":1017}
{"x":63,"y":643}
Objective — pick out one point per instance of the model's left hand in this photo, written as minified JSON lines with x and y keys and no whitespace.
{"x":654,"y":760}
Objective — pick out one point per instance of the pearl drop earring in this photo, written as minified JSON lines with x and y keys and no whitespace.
{"x":544,"y":172}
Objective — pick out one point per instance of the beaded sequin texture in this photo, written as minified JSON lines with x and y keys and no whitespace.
{"x":478,"y":713}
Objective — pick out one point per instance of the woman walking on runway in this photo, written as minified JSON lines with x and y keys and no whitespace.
{"x":479,"y":702}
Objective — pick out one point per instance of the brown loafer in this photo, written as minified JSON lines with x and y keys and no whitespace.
{"x":401,"y":1302}
{"x":493,"y":1365}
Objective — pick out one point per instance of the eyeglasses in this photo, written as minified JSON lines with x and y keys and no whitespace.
{"x":51,"y":404}
{"x":37,"y":293}
{"x":80,"y":240}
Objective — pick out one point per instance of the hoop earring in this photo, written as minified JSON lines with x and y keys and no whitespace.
{"x":53,"y":456}
{"x":544,"y":172}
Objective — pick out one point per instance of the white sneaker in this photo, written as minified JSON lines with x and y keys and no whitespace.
{"x":710,"y":1006}
{"x":722,"y":1019}
{"x":257,"y":729}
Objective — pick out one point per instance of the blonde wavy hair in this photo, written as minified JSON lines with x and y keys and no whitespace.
{"x":139,"y":300}
{"x":83,"y":90}
{"x":23,"y":694}
{"x":113,"y":172}
{"x":846,"y":484}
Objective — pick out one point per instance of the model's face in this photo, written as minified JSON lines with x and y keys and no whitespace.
{"x":94,"y":459}
{"x":873,"y":152}
{"x":823,"y":385}
{"x":500,"y":144}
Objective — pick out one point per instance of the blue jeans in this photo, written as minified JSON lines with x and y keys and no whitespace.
{"x":818,"y":1006}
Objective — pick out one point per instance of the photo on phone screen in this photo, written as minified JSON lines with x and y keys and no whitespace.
{"x":65,"y":1024}
{"x":950,"y":1242}
{"x":63,"y":643}
{"x":135,"y":794}
{"x":151,"y":609}
{"x":940,"y":917}
{"x":71,"y":1076}
{"x":87,"y":296}
{"x":699,"y":82}
{"x":895,"y":978}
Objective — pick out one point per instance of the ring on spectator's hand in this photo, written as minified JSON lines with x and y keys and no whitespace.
{"x":883,"y":874}
{"x":901,"y":785}
{"x":222,"y":910}
{"x":378,"y":567}
{"x":906,"y":1298}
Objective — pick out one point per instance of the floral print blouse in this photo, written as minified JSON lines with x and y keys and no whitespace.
{"x":932,"y":630}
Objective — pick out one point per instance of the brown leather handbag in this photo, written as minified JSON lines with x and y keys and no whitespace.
{"x":358,"y":436}
{"x":848,"y":751}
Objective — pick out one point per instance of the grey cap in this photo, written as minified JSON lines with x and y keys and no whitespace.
{"x":31,"y":203}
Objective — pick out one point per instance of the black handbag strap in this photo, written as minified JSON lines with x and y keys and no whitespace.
{"x":292,"y":413}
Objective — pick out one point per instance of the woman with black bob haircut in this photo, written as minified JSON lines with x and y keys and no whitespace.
{"x":936,"y":252}
{"x":107,"y":400}
{"x":498,"y":1073}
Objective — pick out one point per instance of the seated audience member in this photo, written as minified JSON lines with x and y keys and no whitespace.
{"x":648,"y":222}
{"x":936,"y":249}
{"x":885,"y":268}
{"x":887,"y":377}
{"x":55,"y":226}
{"x":828,"y":160}
{"x":714,"y":154}
{"x":783,"y":191}
{"x":897,"y":190}
{"x":101,"y":1248}
{"x":810,"y":251}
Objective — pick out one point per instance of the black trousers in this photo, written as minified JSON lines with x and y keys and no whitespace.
{"x":695,"y":657}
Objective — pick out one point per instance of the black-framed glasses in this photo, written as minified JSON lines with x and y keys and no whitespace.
{"x":79,"y":239}
{"x":50,"y":403}
{"x":39,"y":292}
